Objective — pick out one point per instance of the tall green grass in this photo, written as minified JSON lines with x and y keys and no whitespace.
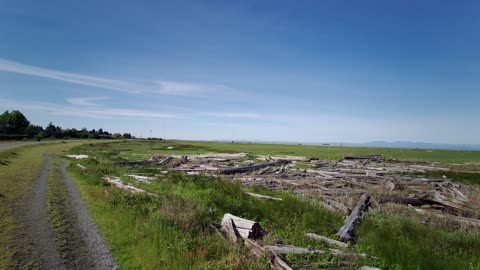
{"x":173,"y":231}
{"x":404,"y":243}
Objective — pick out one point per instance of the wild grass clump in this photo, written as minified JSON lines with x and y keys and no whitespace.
{"x":403,"y":243}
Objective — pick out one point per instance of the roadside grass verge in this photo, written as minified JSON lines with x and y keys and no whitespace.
{"x":19,"y":167}
{"x":404,"y":243}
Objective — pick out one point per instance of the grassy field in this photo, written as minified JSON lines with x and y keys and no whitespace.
{"x":132,"y":150}
{"x":171,"y":232}
{"x":19,"y":167}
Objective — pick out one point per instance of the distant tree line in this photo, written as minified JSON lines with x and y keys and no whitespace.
{"x":15,"y":126}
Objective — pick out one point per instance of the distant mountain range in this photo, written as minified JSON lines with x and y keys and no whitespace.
{"x":398,"y":144}
{"x":422,"y":145}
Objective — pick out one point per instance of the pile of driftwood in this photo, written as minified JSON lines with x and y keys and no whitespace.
{"x":250,"y":233}
{"x":337,"y":184}
{"x":350,"y":186}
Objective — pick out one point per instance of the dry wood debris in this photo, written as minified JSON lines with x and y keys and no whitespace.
{"x":337,"y":184}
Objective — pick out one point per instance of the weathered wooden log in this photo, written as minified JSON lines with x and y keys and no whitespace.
{"x":338,"y":206}
{"x":327,"y":240}
{"x":115,"y":181}
{"x":264,"y":170}
{"x":277,"y":263}
{"x":265,"y":197}
{"x":252,"y":167}
{"x":81,"y":166}
{"x":246,"y":229}
{"x":285,"y":249}
{"x":165,"y":161}
{"x":402,"y":200}
{"x":254,"y":247}
{"x":346,"y":233}
{"x":369,"y":268}
{"x":229,"y":231}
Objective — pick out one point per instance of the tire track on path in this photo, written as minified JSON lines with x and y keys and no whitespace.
{"x":43,"y":251}
{"x":89,"y":249}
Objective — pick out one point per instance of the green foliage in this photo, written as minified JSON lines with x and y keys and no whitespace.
{"x":404,"y":243}
{"x":13,"y":122}
{"x":15,"y":126}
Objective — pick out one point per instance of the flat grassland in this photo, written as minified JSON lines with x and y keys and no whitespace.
{"x":324,"y":152}
{"x":173,"y":231}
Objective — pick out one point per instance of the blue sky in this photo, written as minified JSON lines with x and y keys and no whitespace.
{"x":306,"y":71}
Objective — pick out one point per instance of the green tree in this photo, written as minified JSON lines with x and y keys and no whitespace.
{"x":32,"y":130}
{"x":13,"y":122}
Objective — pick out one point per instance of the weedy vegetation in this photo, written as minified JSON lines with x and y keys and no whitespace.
{"x":173,"y":231}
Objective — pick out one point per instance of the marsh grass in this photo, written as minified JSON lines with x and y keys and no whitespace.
{"x":172,"y":231}
{"x":404,"y":243}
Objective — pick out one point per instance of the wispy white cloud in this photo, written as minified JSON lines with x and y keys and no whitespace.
{"x":182,"y":88}
{"x":86,"y":101}
{"x":152,"y":87}
{"x":232,"y":115}
{"x":87,"y":107}
{"x":85,"y":112}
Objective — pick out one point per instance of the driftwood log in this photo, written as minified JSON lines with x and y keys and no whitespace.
{"x":231,"y":232}
{"x":327,"y":240}
{"x":164,"y":161}
{"x":347,"y":231}
{"x":252,"y":167}
{"x":265,"y":197}
{"x":117,"y":182}
{"x":285,"y":249}
{"x":234,"y":227}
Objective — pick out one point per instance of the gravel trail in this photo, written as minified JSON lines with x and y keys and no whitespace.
{"x":43,"y":251}
{"x":90,"y":250}
{"x":78,"y":247}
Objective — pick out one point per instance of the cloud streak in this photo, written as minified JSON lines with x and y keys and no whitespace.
{"x":149,"y":87}
{"x":87,"y":107}
{"x":86,"y":101}
{"x":85,"y":112}
{"x":232,"y":115}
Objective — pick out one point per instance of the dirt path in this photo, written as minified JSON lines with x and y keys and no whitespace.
{"x":90,"y":251}
{"x":41,"y":241}
{"x":79,"y":246}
